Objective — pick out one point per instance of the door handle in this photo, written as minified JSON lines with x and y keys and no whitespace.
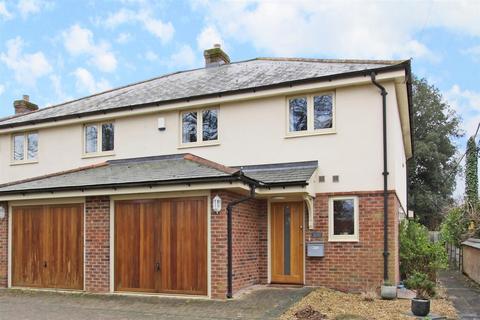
{"x":45,"y":264}
{"x":157,"y":266}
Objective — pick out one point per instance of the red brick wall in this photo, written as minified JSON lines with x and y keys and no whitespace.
{"x":355,"y":266}
{"x":4,"y":247}
{"x":249,"y":244}
{"x":97,"y":244}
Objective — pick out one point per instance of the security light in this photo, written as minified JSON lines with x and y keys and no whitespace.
{"x":217,"y":204}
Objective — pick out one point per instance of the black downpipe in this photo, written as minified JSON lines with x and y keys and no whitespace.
{"x":230,"y":240}
{"x":384,"y":93}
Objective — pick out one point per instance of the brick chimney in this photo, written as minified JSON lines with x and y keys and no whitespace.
{"x":215,"y":57}
{"x":24,"y":105}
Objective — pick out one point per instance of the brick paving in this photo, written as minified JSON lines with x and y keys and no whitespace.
{"x":463,"y":292}
{"x":263,"y":303}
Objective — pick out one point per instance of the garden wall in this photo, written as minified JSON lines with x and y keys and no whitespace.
{"x":471,"y":259}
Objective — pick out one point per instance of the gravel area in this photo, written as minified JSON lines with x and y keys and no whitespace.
{"x":335,"y":305}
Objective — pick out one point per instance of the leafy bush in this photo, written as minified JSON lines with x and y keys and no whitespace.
{"x":454,"y":226}
{"x":418,"y":253}
{"x":420,"y":282}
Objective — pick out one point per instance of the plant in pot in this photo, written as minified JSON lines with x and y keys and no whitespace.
{"x":388,"y":291}
{"x":425,"y":289}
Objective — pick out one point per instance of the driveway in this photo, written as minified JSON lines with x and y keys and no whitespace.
{"x":464,"y":293}
{"x":263,"y":303}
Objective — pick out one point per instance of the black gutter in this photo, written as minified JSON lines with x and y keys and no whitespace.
{"x":239,"y":177}
{"x":384,"y":93}
{"x":230,"y":239}
{"x":400,"y":66}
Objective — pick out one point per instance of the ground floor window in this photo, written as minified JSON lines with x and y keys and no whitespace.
{"x":343,"y":219}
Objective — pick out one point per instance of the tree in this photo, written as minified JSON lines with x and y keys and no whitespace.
{"x":433,"y":168}
{"x":471,"y":172}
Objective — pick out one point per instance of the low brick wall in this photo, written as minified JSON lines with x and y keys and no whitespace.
{"x":471,"y":259}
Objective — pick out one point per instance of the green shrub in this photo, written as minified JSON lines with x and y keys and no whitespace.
{"x":420,"y":282}
{"x":418,"y":253}
{"x":454,"y":226}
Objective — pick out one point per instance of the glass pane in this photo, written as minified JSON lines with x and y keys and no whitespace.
{"x":107,"y":137}
{"x":91,"y":136}
{"x":189,"y":127}
{"x":18,"y":147}
{"x":210,"y":125}
{"x":322,"y":111}
{"x":32,"y":146}
{"x":298,"y":114}
{"x":343,"y":217}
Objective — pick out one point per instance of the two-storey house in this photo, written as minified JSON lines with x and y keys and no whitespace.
{"x":207,"y":181}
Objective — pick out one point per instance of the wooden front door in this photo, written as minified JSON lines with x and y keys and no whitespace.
{"x":47,"y":246}
{"x":161,"y":245}
{"x":286,"y":238}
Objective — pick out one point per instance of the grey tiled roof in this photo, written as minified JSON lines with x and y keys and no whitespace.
{"x":295,"y":172}
{"x":180,"y":86}
{"x":172,"y":169}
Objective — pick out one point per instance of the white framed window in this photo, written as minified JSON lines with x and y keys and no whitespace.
{"x":311,"y":114}
{"x":25,"y":147}
{"x":98,"y":139}
{"x":199,"y":127}
{"x":343,"y":224}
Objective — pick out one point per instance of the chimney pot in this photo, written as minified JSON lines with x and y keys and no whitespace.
{"x":24,"y":106}
{"x":215,"y":56}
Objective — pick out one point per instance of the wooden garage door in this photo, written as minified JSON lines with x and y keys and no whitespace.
{"x":47,"y":246}
{"x":161,"y":245}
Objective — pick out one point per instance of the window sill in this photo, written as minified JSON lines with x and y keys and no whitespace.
{"x":198,"y":145}
{"x":97,"y":155}
{"x":309,"y":133}
{"x":343,"y":240}
{"x":19,"y":163}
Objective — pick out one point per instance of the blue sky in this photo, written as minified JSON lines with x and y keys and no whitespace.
{"x":60,"y":50}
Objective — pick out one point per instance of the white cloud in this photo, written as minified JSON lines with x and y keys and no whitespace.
{"x":162,"y":30}
{"x":350,"y":29}
{"x":151,"y":56}
{"x":183,"y":58}
{"x":124,"y":37}
{"x":85,"y":82}
{"x":2,"y":89}
{"x":27,"y":67}
{"x":78,"y":40}
{"x":4,"y":13}
{"x":208,"y":37}
{"x":27,"y":7}
{"x":473,"y":52}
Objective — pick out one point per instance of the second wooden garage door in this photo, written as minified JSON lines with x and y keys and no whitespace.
{"x":161,"y":245}
{"x":47,"y":246}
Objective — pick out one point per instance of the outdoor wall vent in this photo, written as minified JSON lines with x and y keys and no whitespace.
{"x":161,"y":124}
{"x":335,"y":178}
{"x":321,"y":179}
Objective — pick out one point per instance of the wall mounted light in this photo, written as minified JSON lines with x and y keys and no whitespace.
{"x":217,"y":204}
{"x":2,"y":212}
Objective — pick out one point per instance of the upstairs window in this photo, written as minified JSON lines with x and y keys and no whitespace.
{"x":199,"y":126}
{"x":311,"y":114}
{"x":99,"y":138}
{"x":25,"y":147}
{"x":343,"y":219}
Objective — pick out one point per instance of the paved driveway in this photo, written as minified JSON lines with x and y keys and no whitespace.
{"x":264,"y":303}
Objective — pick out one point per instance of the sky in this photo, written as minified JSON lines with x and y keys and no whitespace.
{"x":58,"y":50}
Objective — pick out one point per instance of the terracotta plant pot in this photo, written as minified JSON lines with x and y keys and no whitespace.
{"x":420,"y":307}
{"x":388,"y":292}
